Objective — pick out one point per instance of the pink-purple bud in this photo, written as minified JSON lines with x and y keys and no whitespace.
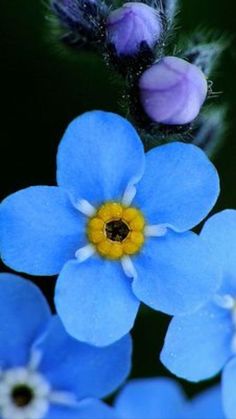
{"x":132,"y":25}
{"x":172,"y":91}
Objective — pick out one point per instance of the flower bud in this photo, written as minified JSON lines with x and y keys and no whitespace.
{"x":209,"y":129}
{"x":131,"y":26}
{"x":82,"y":19}
{"x":71,"y":12}
{"x":205,"y":55}
{"x":172,"y":91}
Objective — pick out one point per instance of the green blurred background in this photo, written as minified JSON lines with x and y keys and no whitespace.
{"x":43,"y":88}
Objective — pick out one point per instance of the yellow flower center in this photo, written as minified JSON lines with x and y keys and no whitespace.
{"x":116,"y":230}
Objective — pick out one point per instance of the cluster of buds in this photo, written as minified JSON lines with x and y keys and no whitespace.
{"x":164,"y":92}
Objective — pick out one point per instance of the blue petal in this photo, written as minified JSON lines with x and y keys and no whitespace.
{"x":40,"y":230}
{"x":91,"y":409}
{"x":220,"y":233}
{"x":198,"y":346}
{"x":179,"y":188}
{"x":99,"y":155}
{"x":86,"y":371}
{"x":95,"y":301}
{"x":175,"y":273}
{"x":207,"y":405}
{"x":24,"y":314}
{"x":228,"y":389}
{"x":153,"y":398}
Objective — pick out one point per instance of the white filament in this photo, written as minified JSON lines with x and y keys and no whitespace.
{"x":84,"y":253}
{"x":157,"y":230}
{"x":128,"y":267}
{"x":63,"y":397}
{"x":225,"y":301}
{"x":85,"y":207}
{"x":35,"y":360}
{"x":129,"y":195}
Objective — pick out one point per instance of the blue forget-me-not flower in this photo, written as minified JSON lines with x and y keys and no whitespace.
{"x":44,"y":372}
{"x":115,"y":228}
{"x":198,"y":346}
{"x":163,"y":398}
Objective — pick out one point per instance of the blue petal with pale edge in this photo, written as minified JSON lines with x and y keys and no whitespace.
{"x":86,"y":371}
{"x":175,"y":273}
{"x":198,"y":346}
{"x":95,"y":301}
{"x":152,"y":398}
{"x":219,"y":232}
{"x":99,"y":155}
{"x":180,"y":186}
{"x":228,"y":389}
{"x":40,"y":230}
{"x":91,"y":409}
{"x":24,"y":314}
{"x":206,"y":405}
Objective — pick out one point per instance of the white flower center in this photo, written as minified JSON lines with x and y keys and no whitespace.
{"x":23,"y":394}
{"x":26,"y":394}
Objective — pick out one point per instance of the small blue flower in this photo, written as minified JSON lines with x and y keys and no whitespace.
{"x":115,"y":243}
{"x":162,"y":398}
{"x":198,"y":346}
{"x":44,"y":373}
{"x":133,"y":25}
{"x":172,"y":91}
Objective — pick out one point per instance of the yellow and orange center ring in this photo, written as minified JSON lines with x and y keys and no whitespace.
{"x":116,"y":230}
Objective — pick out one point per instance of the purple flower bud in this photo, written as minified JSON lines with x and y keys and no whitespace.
{"x":132,"y":25}
{"x":172,"y":91}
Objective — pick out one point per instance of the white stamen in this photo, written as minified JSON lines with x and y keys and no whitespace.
{"x":157,"y":230}
{"x":84,"y":253}
{"x":85,"y":207}
{"x":15,"y":375}
{"x":129,"y":195}
{"x":63,"y":397}
{"x":35,"y":359}
{"x":128,"y":267}
{"x":225,"y":301}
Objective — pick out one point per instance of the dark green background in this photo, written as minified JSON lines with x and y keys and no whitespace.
{"x":43,"y":88}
